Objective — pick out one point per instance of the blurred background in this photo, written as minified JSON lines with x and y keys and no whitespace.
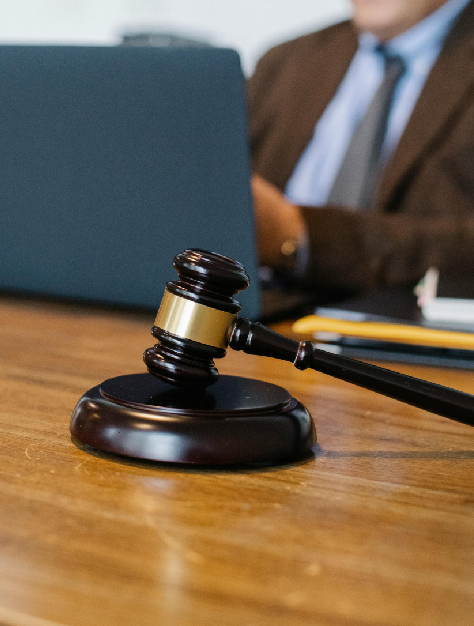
{"x":250,"y":26}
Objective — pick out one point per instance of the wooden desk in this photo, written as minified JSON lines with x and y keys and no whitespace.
{"x":377,"y":529}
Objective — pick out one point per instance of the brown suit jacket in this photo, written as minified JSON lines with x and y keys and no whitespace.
{"x":424,"y":213}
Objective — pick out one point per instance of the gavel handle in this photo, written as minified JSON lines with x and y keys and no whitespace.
{"x":254,"y":338}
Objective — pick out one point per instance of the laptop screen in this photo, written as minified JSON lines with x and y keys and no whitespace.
{"x":113,"y":160}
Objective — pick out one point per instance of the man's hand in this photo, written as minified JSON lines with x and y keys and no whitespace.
{"x":278,"y":221}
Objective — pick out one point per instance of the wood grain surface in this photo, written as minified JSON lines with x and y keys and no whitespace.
{"x":376,"y":529}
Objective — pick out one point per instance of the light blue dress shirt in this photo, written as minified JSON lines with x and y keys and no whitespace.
{"x":316,"y":171}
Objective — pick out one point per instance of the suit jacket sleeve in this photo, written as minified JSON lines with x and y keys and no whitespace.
{"x":358,"y":251}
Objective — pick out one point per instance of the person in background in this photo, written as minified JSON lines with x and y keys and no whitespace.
{"x":362,"y":139}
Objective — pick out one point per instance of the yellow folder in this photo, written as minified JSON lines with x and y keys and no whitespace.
{"x":402,"y":333}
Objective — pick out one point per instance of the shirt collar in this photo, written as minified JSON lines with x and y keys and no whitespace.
{"x":426,"y":35}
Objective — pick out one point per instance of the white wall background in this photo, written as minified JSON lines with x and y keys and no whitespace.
{"x":250,"y":26}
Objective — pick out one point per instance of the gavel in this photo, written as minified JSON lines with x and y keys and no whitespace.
{"x":182,"y":411}
{"x":198,"y":319}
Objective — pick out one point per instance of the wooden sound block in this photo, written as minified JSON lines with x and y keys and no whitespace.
{"x":237,"y":420}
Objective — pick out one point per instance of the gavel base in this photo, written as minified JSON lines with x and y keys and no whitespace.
{"x":237,"y":420}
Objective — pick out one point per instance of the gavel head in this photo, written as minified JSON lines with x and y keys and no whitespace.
{"x":195,"y":318}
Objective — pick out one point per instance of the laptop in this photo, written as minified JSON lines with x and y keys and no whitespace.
{"x":115,"y":159}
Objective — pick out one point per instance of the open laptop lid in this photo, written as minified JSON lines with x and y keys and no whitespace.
{"x":113,"y":160}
